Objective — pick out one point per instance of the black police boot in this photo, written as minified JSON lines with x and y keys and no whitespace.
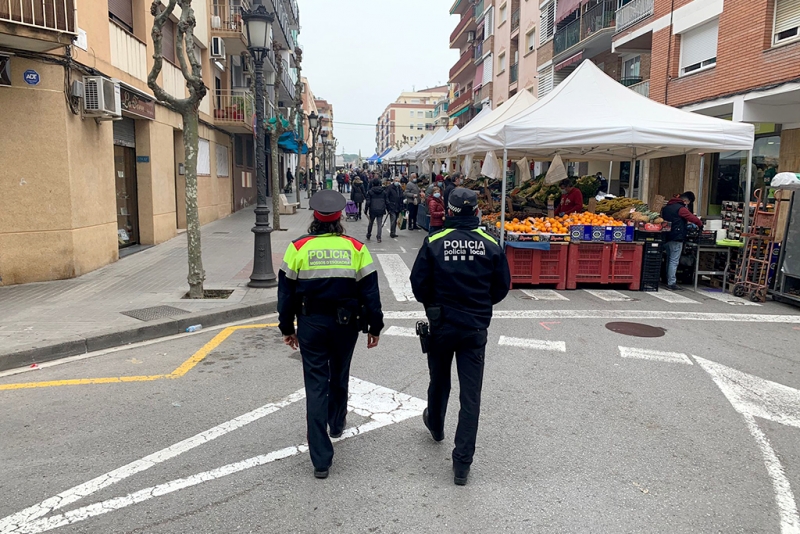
{"x":436,"y":436}
{"x":321,"y":473}
{"x":460,"y":475}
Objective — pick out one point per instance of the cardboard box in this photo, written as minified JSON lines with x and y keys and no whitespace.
{"x":580,"y":232}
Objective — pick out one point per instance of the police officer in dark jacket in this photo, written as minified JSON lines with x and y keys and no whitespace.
{"x":459,"y":274}
{"x":329,"y":283}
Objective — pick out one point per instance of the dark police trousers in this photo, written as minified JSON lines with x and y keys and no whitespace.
{"x":327,"y":350}
{"x":469,"y":348}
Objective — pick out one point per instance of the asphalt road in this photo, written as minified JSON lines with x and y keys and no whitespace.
{"x":582,"y":429}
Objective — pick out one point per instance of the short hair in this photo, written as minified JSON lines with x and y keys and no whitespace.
{"x":688,"y":195}
{"x":376,"y":182}
{"x":566,"y":182}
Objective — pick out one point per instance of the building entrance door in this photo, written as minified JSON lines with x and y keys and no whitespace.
{"x":127,"y":200}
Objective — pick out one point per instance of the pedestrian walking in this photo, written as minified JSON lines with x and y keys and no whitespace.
{"x":436,"y":211}
{"x":358,"y":195}
{"x":376,"y":207}
{"x":460,"y":273}
{"x":412,"y":195}
{"x":329,"y":283}
{"x":340,"y":182}
{"x":347,"y":183}
{"x":394,"y":204}
{"x":677,"y":213}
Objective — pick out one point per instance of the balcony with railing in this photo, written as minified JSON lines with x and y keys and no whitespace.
{"x":513,"y":74}
{"x":466,"y":21}
{"x":484,"y":93}
{"x":226,"y":22}
{"x":288,"y":83}
{"x":282,"y":27}
{"x":479,"y":9}
{"x":465,"y":59}
{"x":39,"y":25}
{"x":234,"y":110}
{"x":643,"y":88}
{"x":591,"y":22}
{"x":633,"y":12}
{"x":515,"y":21}
{"x":463,"y":99}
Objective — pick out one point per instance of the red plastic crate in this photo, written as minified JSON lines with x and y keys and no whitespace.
{"x":536,"y":267}
{"x":605,"y":263}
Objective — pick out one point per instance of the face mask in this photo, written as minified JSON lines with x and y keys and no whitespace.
{"x":439,"y":184}
{"x":437,"y":195}
{"x":414,"y":180}
{"x":563,"y":191}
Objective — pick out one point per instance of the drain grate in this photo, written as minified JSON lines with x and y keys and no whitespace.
{"x":155,"y":313}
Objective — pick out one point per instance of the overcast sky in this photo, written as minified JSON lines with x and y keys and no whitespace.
{"x":360,"y":55}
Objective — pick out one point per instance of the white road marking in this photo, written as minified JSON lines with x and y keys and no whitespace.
{"x":756,"y":396}
{"x":403,"y":250}
{"x":544,"y":294}
{"x":381,"y":405}
{"x":753,"y":397}
{"x":655,"y":355}
{"x":400,"y":331}
{"x":533,"y":344}
{"x":609,"y":295}
{"x":727,"y":298}
{"x":545,"y":315}
{"x":671,"y":297}
{"x":398,"y":274}
{"x":103,"y":481}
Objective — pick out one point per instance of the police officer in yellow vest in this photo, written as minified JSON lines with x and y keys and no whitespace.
{"x":329,"y":283}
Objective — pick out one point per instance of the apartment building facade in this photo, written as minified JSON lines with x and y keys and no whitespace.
{"x":86,"y":173}
{"x":738,"y":60}
{"x":326,"y":132}
{"x":409,"y":118}
{"x":514,"y":49}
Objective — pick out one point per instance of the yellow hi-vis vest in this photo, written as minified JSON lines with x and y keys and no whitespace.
{"x":327,"y":256}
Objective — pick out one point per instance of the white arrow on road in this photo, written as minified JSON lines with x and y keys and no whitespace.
{"x":381,"y":405}
{"x":753,"y":397}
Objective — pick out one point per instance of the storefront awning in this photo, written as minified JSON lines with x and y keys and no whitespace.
{"x":566,"y":7}
{"x":570,"y":61}
{"x":460,"y":112}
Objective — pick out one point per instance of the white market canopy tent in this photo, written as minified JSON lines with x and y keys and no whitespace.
{"x":399,"y":155}
{"x":589,"y":116}
{"x":387,"y":158}
{"x":442,"y":148}
{"x":512,"y":108}
{"x":423,"y":145}
{"x":439,"y":150}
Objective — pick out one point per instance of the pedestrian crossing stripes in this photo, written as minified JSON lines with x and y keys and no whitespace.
{"x":655,"y":355}
{"x":727,"y":298}
{"x":398,"y":274}
{"x":609,"y":295}
{"x":533,"y":344}
{"x":544,"y":294}
{"x":672,"y":298}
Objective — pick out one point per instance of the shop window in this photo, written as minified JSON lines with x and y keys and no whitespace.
{"x":699,"y":47}
{"x":121,"y":12}
{"x":787,"y":21}
{"x":203,"y":158}
{"x":729,"y":170}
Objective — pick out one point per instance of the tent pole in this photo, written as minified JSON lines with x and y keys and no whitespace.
{"x":747,"y":193}
{"x":701,"y":184}
{"x":503,"y":199}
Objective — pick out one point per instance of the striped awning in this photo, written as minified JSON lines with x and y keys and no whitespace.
{"x":564,"y":8}
{"x":572,"y":60}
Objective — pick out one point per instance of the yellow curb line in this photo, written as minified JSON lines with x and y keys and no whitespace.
{"x":184,"y":368}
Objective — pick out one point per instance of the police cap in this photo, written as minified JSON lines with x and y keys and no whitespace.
{"x":327,"y":201}
{"x":462,"y":201}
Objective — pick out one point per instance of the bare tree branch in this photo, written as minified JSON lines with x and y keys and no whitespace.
{"x":161,"y":17}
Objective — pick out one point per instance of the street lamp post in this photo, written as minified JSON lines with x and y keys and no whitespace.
{"x":258,"y":24}
{"x":324,"y":136}
{"x":313,"y":125}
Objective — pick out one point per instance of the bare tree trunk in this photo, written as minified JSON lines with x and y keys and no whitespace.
{"x":190,"y":144}
{"x":188,"y":109}
{"x":275,"y":178}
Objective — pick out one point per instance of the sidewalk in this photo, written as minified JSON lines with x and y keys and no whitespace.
{"x":49,"y":320}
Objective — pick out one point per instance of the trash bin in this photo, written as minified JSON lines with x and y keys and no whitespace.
{"x":329,"y":182}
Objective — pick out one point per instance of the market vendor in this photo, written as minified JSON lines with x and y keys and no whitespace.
{"x":571,"y":198}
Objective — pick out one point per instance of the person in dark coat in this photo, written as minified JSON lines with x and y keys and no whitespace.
{"x":394,"y":204}
{"x":376,"y":207}
{"x":358,"y":195}
{"x":412,"y":194}
{"x":436,"y":211}
{"x":677,"y":213}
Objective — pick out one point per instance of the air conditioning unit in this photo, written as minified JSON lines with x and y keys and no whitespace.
{"x":101,"y":97}
{"x":217,"y":48}
{"x":216,"y":22}
{"x":470,"y":37}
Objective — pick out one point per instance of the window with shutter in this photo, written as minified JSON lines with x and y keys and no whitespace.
{"x":121,"y":11}
{"x":168,"y":41}
{"x":488,"y":29}
{"x":547,"y":23}
{"x":699,"y":47}
{"x":545,"y":81}
{"x":787,"y":20}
